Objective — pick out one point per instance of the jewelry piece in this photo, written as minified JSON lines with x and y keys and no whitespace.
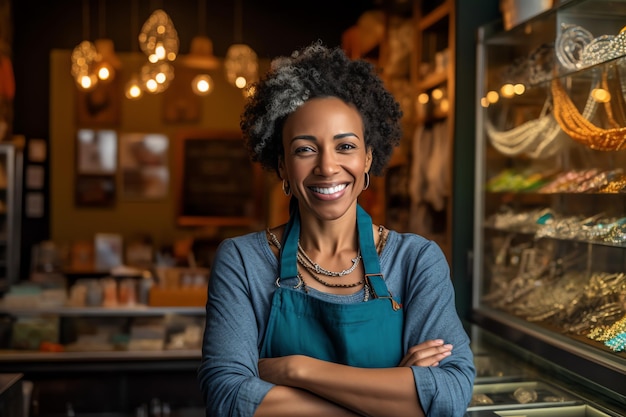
{"x":330,"y":284}
{"x":286,"y":188}
{"x":617,"y":343}
{"x":617,"y":185}
{"x":367,"y":181}
{"x":597,"y":51}
{"x":570,"y":45}
{"x":480,"y":399}
{"x":309,"y":264}
{"x":536,"y":138}
{"x":525,"y":395}
{"x":581,"y":129}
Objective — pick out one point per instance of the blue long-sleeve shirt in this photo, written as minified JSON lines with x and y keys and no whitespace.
{"x":241,"y":286}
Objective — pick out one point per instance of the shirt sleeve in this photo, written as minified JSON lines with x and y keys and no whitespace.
{"x":228,"y":373}
{"x":444,"y":390}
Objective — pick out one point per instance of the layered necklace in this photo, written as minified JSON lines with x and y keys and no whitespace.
{"x":314,"y":269}
{"x":580,"y":128}
{"x":306,"y":261}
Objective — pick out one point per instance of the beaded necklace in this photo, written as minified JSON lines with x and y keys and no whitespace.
{"x":580,"y":128}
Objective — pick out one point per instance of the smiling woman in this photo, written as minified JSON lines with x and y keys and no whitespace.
{"x":361,"y":319}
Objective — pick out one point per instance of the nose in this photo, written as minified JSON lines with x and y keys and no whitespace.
{"x":327,"y":163}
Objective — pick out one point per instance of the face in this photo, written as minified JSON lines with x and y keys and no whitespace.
{"x":325,"y":158}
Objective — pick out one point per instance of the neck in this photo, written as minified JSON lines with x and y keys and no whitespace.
{"x":329,"y":237}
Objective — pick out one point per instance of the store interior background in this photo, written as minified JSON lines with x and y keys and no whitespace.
{"x":45,"y":106}
{"x":45,"y":103}
{"x":46,"y":109}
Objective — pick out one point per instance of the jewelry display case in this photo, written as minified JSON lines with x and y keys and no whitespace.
{"x":10,"y":203}
{"x":550,"y":196}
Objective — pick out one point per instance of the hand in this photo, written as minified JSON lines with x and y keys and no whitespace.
{"x":280,"y":370}
{"x":428,"y":353}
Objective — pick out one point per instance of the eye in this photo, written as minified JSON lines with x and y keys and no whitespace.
{"x":346,"y":147}
{"x":303,"y":149}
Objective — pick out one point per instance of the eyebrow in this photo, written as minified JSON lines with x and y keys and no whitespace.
{"x":337,"y":136}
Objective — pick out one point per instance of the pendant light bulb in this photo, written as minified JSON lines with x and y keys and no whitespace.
{"x":133,"y":89}
{"x":202,"y":84}
{"x":241,"y":65}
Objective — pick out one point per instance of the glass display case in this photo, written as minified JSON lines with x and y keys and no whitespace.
{"x":10,"y":203}
{"x":550,"y":227}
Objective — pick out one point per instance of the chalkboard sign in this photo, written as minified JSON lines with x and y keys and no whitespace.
{"x":217,"y":183}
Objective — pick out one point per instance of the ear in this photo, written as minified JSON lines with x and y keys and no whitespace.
{"x":368,"y":159}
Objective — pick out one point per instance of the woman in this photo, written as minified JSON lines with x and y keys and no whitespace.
{"x":330,"y":315}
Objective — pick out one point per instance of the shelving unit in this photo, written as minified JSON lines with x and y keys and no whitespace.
{"x":549,"y":259}
{"x":433,"y":80}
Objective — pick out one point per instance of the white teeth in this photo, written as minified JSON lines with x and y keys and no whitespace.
{"x":330,"y":190}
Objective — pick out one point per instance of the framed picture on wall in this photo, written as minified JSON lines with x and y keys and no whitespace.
{"x":96,"y":152}
{"x":144,"y":166}
{"x":95,"y":191}
{"x":100,"y":106}
{"x":216,"y":184}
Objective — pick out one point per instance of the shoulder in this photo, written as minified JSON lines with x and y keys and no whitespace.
{"x":412,"y":242}
{"x":244,"y":246}
{"x":412,"y":251}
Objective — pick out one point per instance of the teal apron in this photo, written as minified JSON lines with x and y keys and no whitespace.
{"x":367,"y":334}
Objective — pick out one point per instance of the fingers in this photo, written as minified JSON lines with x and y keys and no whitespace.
{"x":429,"y":353}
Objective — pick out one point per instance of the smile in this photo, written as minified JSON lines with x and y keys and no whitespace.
{"x":329,"y":190}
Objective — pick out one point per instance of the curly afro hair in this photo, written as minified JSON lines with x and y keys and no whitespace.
{"x":319,"y":71}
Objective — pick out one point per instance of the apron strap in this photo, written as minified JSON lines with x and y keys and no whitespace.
{"x":289,"y":249}
{"x":366,"y":242}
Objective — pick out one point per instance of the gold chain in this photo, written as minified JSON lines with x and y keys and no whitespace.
{"x":581,"y":129}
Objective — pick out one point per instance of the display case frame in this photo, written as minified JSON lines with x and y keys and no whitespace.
{"x":497,"y":49}
{"x":11,"y":160}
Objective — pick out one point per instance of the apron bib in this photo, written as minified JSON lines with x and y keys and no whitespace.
{"x":367,"y":334}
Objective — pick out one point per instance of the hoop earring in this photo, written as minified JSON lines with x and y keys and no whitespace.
{"x":367,"y":181}
{"x":286,"y":188}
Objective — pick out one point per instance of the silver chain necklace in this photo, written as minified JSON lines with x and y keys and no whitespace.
{"x":311,"y":265}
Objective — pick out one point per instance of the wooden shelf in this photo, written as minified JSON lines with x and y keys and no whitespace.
{"x":134,"y":311}
{"x":432,"y":80}
{"x":439,"y":13}
{"x":123,"y":355}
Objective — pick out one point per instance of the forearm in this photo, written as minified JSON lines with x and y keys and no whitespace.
{"x":369,"y":392}
{"x":293,"y":402}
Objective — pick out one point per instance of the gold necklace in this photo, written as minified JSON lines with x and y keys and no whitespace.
{"x":581,"y":129}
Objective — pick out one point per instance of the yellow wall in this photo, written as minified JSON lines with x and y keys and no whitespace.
{"x":220,"y":111}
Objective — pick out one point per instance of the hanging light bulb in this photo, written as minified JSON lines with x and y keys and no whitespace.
{"x":158,"y":38}
{"x":84,"y":57}
{"x":133,"y":89}
{"x":202,"y":84}
{"x":157,"y":77}
{"x":84,"y":60}
{"x":107,"y":61}
{"x":241,"y":63}
{"x":201,"y":56}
